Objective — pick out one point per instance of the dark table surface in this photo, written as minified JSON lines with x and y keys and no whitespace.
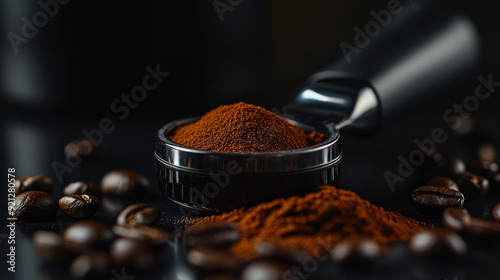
{"x":35,"y":143}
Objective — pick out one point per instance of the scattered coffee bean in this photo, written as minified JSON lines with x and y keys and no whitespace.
{"x":266,"y":270}
{"x":356,"y":251}
{"x":482,"y":231}
{"x":206,"y":260}
{"x":49,"y":246}
{"x":270,"y":250}
{"x":212,"y":234}
{"x":487,"y":153}
{"x":151,"y":234}
{"x":35,"y":183}
{"x":433,"y":200}
{"x":81,"y":147}
{"x":495,"y":214}
{"x":132,"y":253}
{"x":94,"y":262}
{"x":471,"y":185}
{"x":89,"y":188}
{"x":123,"y":183}
{"x":33,"y":206}
{"x":456,"y":219}
{"x":482,"y":168}
{"x":79,"y":206}
{"x":452,"y":168}
{"x":81,"y":235}
{"x":138,"y":214}
{"x":444,"y":182}
{"x":437,"y":243}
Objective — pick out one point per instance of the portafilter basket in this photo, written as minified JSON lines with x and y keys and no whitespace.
{"x":423,"y":50}
{"x":217,"y":181}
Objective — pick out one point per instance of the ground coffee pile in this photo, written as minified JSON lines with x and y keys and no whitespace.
{"x":316,"y":221}
{"x":242,"y":128}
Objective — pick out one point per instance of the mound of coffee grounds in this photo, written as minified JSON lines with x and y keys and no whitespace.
{"x":316,"y":222}
{"x":243,"y":128}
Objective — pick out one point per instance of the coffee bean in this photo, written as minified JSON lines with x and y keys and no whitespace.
{"x":206,"y":260}
{"x":451,"y":168}
{"x":270,"y":250}
{"x":482,"y":231}
{"x":356,"y":251}
{"x":151,"y":234}
{"x":433,"y":200}
{"x":456,"y":219}
{"x":212,"y":234}
{"x":49,"y":246}
{"x":89,"y":188}
{"x":81,"y":235}
{"x":138,"y":214}
{"x":495,"y":214}
{"x":132,"y":253}
{"x":482,"y":168}
{"x":33,"y":206}
{"x":437,"y":243}
{"x":471,"y":185}
{"x":444,"y":182}
{"x":79,"y":206}
{"x":79,"y":148}
{"x":487,"y":153}
{"x":94,"y":262}
{"x":35,"y":183}
{"x":124,"y":183}
{"x":266,"y":270}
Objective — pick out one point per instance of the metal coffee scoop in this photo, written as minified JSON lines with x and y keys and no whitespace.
{"x":399,"y":67}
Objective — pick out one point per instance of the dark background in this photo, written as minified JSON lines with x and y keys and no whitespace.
{"x":66,"y":77}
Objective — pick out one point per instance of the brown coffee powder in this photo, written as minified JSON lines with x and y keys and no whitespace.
{"x":316,"y":221}
{"x":241,"y":128}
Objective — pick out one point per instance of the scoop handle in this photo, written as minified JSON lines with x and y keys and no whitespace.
{"x":397,"y":62}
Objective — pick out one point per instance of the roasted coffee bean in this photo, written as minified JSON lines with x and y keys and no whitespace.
{"x":124,"y":183}
{"x":79,"y":148}
{"x":356,"y":251}
{"x":94,"y":262}
{"x":456,"y":219}
{"x":50,"y":247}
{"x":212,"y":234}
{"x":437,"y":243}
{"x":482,"y":168}
{"x":35,"y":183}
{"x":79,"y":206}
{"x":495,"y":214}
{"x":138,"y":214}
{"x":433,"y":200}
{"x":89,"y":188}
{"x":206,"y":260}
{"x":132,"y":253}
{"x":33,"y":206}
{"x":482,"y":231}
{"x":151,"y":234}
{"x":487,"y":153}
{"x":451,"y":168}
{"x":471,"y":185}
{"x":81,"y":235}
{"x":270,"y":250}
{"x":444,"y":182}
{"x":266,"y":270}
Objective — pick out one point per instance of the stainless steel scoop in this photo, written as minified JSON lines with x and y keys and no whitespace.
{"x":423,"y":50}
